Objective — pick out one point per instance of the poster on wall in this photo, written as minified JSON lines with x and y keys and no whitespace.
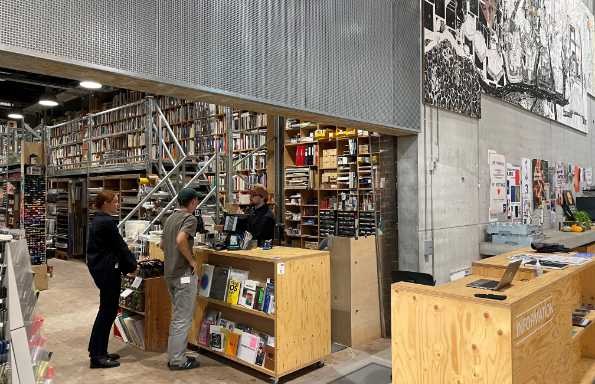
{"x":534,"y":54}
{"x":539,"y":171}
{"x":526,"y":190}
{"x":498,"y":195}
{"x":561,"y":182}
{"x":513,"y":195}
{"x":576,"y":178}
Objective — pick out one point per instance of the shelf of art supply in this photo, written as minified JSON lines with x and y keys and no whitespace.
{"x":253,"y":310}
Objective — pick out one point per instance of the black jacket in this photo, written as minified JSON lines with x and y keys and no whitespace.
{"x":106,"y":249}
{"x":261,"y":224}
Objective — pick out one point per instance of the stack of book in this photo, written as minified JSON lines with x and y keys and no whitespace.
{"x":237,"y":340}
{"x":299,"y":178}
{"x":234,"y":287}
{"x":131,"y":328}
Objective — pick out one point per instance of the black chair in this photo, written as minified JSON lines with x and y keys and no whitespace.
{"x":413,"y":277}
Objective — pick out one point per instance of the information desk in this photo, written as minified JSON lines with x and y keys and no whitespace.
{"x":301,"y":323}
{"x":446,"y":335}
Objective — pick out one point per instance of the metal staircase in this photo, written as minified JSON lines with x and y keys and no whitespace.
{"x":173,"y":170}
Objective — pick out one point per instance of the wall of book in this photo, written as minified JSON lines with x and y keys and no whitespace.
{"x":34,"y":213}
{"x":330,"y":175}
{"x":117,"y":138}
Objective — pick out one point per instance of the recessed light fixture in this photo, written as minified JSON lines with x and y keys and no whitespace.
{"x":47,"y":101}
{"x":90,"y":84}
{"x":16,"y":116}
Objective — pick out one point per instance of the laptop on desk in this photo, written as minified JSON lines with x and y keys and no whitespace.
{"x":495,"y":285}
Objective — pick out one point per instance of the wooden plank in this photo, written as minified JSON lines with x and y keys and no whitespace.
{"x":219,"y":303}
{"x":445,"y":340}
{"x":157,"y":314}
{"x":303,"y":305}
{"x":585,"y":371}
{"x":365,"y":298}
{"x":272,"y":255}
{"x":238,"y":361}
{"x":341,"y":290}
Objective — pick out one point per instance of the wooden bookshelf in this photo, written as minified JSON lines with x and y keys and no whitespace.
{"x":156,"y":314}
{"x":344,"y":169}
{"x":125,"y":186}
{"x":301,"y":321}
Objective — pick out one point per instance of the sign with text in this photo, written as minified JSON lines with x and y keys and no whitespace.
{"x":534,"y":319}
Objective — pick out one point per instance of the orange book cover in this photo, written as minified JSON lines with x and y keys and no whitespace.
{"x":231,"y":347}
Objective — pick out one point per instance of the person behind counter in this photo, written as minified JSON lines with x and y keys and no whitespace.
{"x":181,"y":277}
{"x":108,"y":257}
{"x":261,"y":222}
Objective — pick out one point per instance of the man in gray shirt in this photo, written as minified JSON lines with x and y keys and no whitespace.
{"x":181,"y":275}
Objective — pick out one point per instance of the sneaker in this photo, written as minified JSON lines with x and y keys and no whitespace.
{"x":189,"y":364}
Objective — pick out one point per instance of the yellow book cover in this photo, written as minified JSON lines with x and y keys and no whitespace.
{"x":233,"y":291}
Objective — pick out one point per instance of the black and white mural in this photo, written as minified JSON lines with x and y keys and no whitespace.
{"x":536,"y":54}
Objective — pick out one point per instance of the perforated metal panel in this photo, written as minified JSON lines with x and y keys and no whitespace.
{"x":356,"y":59}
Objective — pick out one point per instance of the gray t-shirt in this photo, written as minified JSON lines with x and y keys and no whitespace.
{"x":176,"y":264}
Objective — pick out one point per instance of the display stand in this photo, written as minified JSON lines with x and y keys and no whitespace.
{"x":21,"y":301}
{"x":156,"y":314}
{"x":447,"y":335}
{"x":354,"y":288}
{"x":301,"y":321}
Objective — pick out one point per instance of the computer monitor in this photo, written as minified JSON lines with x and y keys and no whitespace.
{"x":235,"y":223}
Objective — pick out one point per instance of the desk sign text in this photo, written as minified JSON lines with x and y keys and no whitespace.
{"x":532,"y":320}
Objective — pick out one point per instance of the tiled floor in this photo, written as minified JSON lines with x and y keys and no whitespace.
{"x":70,"y":306}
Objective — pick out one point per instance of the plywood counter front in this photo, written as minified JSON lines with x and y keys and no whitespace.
{"x":301,"y":323}
{"x":446,"y":335}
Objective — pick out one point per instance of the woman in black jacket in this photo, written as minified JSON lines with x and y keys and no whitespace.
{"x":108,"y":257}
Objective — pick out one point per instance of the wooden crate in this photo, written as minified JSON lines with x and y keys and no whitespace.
{"x":354,"y":291}
{"x":446,"y":335}
{"x":157,"y":314}
{"x":301,"y":323}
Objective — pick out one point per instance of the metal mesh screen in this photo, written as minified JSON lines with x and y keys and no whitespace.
{"x":357,"y":59}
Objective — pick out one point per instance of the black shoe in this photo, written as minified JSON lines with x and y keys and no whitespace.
{"x":113,"y":356}
{"x":103,"y":362}
{"x":189,"y":364}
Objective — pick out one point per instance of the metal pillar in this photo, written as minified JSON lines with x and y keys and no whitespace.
{"x":230,"y":170}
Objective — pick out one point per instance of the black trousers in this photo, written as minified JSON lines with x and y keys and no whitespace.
{"x":109,"y":297}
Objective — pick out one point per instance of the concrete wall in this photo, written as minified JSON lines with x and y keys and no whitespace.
{"x":443,"y":174}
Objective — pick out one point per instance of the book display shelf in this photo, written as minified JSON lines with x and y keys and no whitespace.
{"x":57,"y":215}
{"x":125,"y":186}
{"x":252,"y":308}
{"x":144,"y":317}
{"x":330,"y":182}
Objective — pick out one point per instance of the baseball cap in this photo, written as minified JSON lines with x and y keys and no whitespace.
{"x":186,"y":195}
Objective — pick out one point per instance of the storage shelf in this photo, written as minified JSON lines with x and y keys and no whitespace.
{"x":236,"y":360}
{"x":237,"y":308}
{"x":578,"y":331}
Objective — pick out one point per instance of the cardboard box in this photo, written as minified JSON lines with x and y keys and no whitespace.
{"x":32,"y":154}
{"x":155,"y":252}
{"x":40,"y":276}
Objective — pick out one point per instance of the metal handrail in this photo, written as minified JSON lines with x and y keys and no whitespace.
{"x":173,"y":200}
{"x":146,"y":198}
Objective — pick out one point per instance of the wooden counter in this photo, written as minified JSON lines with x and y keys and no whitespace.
{"x":301,"y":323}
{"x":446,"y":335}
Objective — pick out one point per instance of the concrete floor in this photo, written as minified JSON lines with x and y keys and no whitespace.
{"x":70,"y":307}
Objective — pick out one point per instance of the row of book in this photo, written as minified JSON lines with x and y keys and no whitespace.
{"x":120,"y":142}
{"x":131,"y":328}
{"x":245,"y":121}
{"x":246,"y":141}
{"x":306,"y":155}
{"x":246,"y":182}
{"x":121,"y":127}
{"x":72,"y":132}
{"x":257,"y":161}
{"x":237,"y":340}
{"x":234,"y":287}
{"x":126,"y":116}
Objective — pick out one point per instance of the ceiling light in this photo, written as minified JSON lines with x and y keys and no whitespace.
{"x":16,"y":116}
{"x":48,"y":101}
{"x":90,"y":84}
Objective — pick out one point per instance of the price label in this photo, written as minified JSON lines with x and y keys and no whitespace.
{"x":136,"y":282}
{"x":126,"y":292}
